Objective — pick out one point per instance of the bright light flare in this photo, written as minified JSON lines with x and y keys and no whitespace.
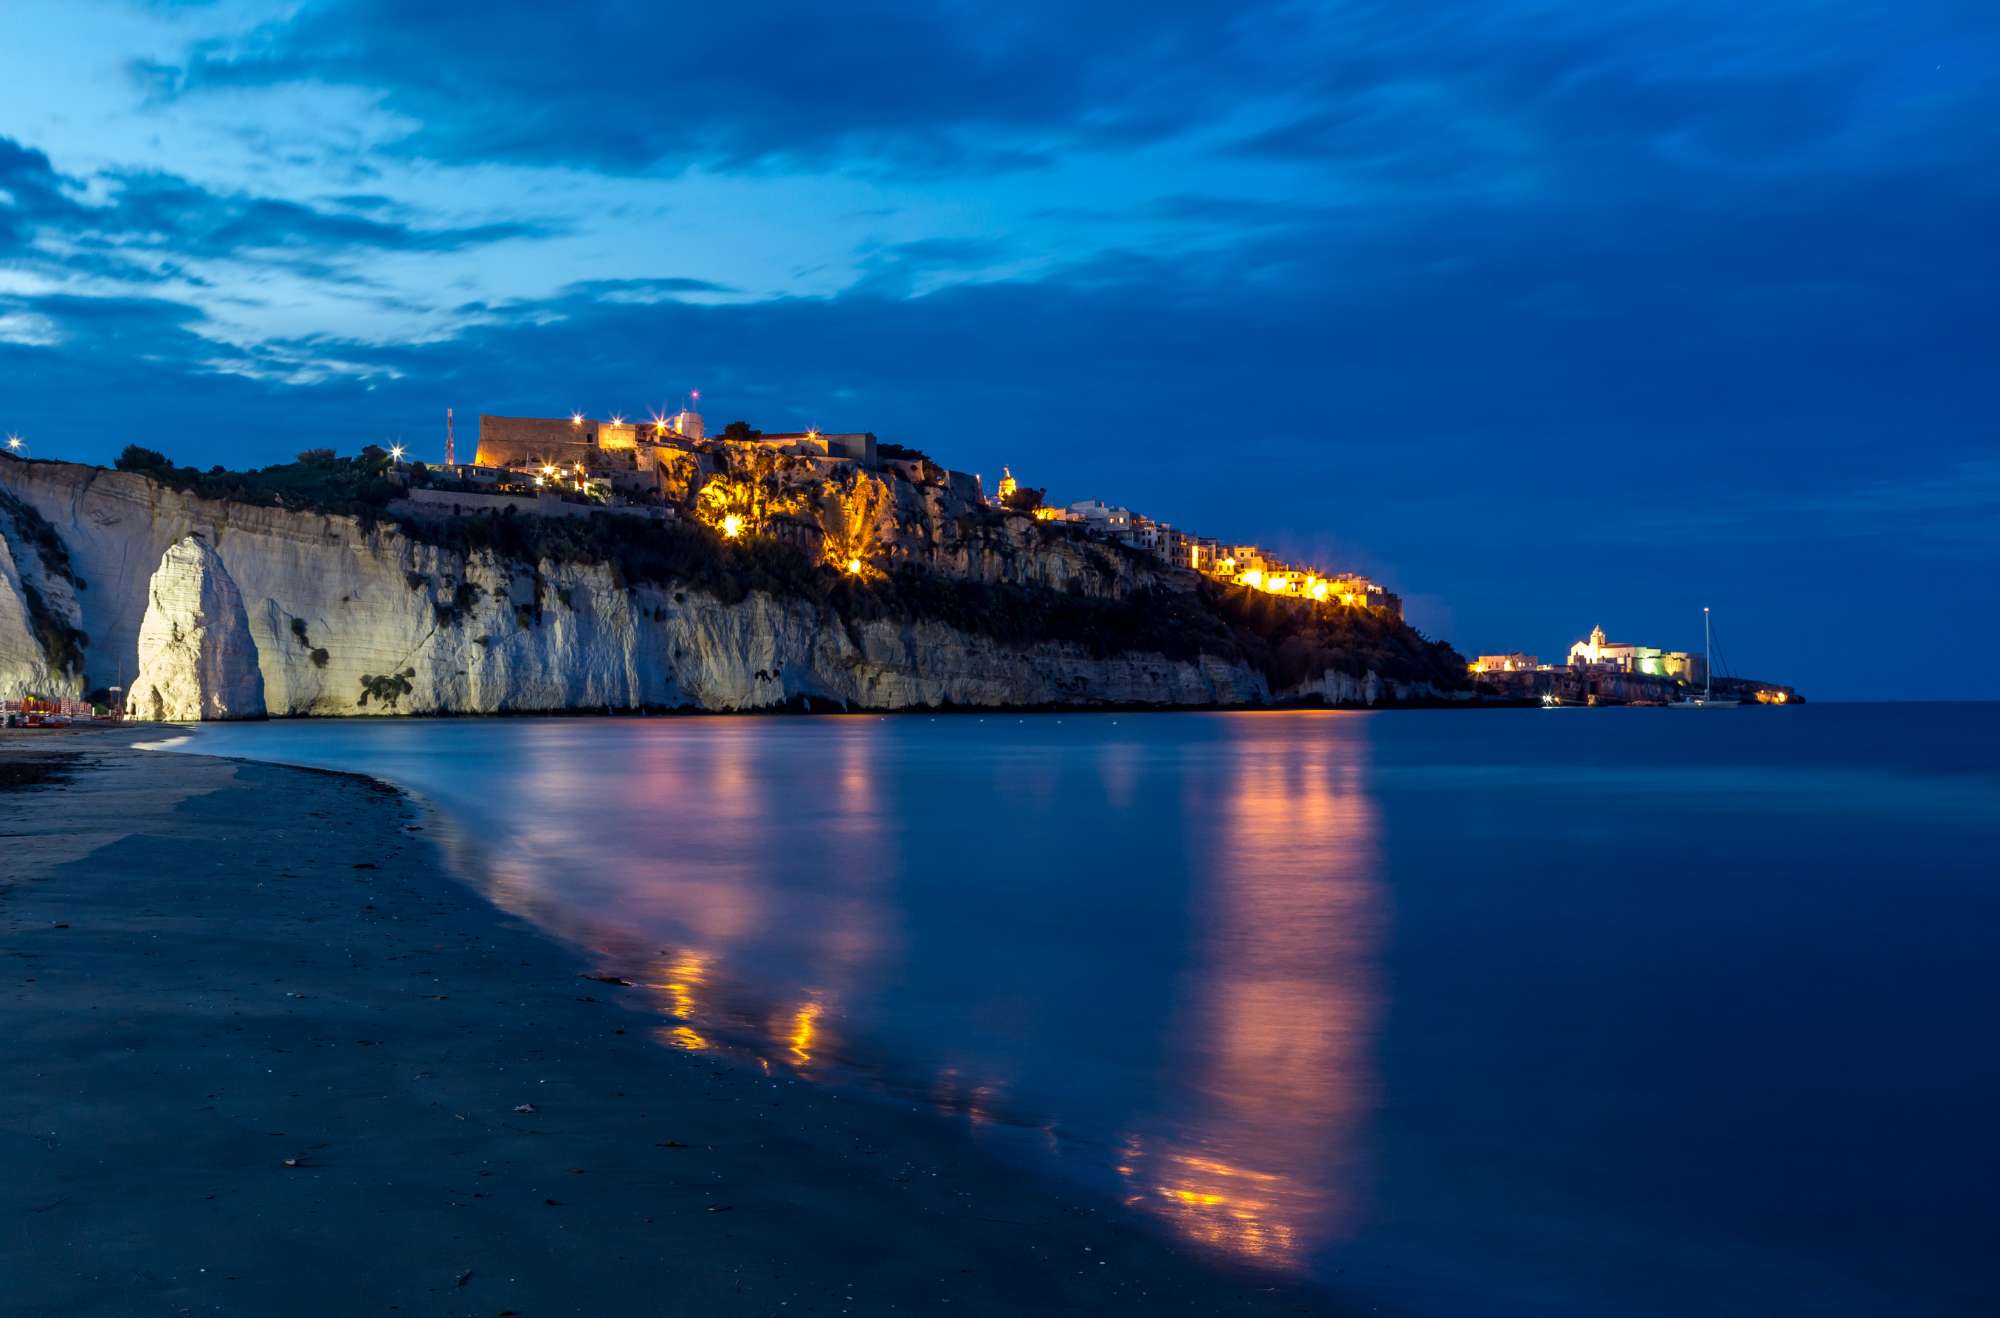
{"x":732,"y":527}
{"x":576,"y":418}
{"x":854,"y":566}
{"x":396,"y":452}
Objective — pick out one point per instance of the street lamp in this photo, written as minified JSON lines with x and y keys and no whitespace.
{"x":396,"y":452}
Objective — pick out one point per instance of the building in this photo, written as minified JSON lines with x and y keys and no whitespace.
{"x":1102,"y":517}
{"x":1516,"y":662}
{"x":518,"y":443}
{"x":1594,"y":651}
{"x":1141,"y":532}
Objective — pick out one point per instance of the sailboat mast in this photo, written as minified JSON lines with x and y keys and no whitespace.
{"x":1707,"y":654}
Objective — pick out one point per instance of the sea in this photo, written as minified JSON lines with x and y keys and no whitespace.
{"x":1639,"y":1012}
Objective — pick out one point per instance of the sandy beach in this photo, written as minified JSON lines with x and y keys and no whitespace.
{"x":264,"y":1056}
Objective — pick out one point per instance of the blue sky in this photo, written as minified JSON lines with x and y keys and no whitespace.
{"x":1545,"y":314}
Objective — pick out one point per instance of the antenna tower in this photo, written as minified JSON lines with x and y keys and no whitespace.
{"x":450,"y":445}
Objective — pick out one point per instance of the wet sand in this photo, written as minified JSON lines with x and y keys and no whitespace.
{"x":263,"y":1056}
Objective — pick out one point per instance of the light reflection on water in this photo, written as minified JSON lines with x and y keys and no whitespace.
{"x":1280,"y":1004}
{"x":1596,"y":1055}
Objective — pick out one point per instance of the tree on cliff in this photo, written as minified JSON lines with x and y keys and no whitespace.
{"x":740,"y":430}
{"x":1024,"y":499}
{"x":146,"y":461}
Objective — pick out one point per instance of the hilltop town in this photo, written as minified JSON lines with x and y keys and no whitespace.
{"x":746,"y":482}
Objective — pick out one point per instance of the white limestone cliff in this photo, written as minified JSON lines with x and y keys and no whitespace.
{"x":344,"y":619}
{"x":197,"y":659}
{"x":39,"y":612}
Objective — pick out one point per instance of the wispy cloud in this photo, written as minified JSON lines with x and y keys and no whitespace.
{"x":127,"y":222}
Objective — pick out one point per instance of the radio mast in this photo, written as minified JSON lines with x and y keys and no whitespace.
{"x":450,"y":447}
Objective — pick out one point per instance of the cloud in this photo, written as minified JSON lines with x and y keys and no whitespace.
{"x":135,"y":225}
{"x":896,"y":84}
{"x":644,"y":292}
{"x":31,"y":329}
{"x":1470,"y":93}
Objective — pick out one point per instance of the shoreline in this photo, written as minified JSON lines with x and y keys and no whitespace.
{"x":269,"y":1056}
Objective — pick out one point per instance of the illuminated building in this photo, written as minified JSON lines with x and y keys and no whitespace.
{"x":1504,"y":663}
{"x":1594,"y":651}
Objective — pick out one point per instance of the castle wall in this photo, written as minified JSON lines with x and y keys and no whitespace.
{"x":515,"y":441}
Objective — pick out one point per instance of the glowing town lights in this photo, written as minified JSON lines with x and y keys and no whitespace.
{"x":854,"y":567}
{"x":732,"y":527}
{"x":13,"y":443}
{"x":617,"y":420}
{"x":396,"y":452}
{"x":576,"y":418}
{"x":1253,"y":579}
{"x":539,"y":480}
{"x":548,"y":469}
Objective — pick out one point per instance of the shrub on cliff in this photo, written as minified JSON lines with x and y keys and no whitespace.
{"x":388,"y":688}
{"x":319,"y":481}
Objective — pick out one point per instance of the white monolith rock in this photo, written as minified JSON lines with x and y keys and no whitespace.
{"x":196,"y":657}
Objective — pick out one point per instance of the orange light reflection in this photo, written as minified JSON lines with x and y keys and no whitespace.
{"x":1284,"y":1007}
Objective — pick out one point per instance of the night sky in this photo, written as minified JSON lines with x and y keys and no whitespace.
{"x":1543,"y":314}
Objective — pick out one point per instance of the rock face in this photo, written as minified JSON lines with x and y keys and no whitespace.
{"x":207,"y":602}
{"x":196,"y":656}
{"x":41,"y":643}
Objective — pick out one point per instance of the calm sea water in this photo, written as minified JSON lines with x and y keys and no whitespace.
{"x":1633,"y":1012}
